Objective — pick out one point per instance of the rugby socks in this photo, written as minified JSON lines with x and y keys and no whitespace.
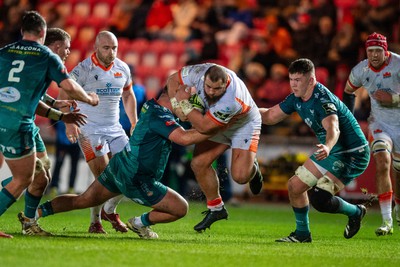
{"x":95,"y":214}
{"x":6,"y":200}
{"x":6,"y":181}
{"x":44,"y":210}
{"x":215,"y":204}
{"x":111,"y":205}
{"x":385,"y":202}
{"x":347,"y":208}
{"x":302,"y":221}
{"x":31,"y":204}
{"x":143,"y":220}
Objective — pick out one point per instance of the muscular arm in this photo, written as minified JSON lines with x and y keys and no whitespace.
{"x":184,"y":137}
{"x":271,"y":116}
{"x":331,"y":125}
{"x":129,"y":101}
{"x":75,"y":91}
{"x":173,"y":84}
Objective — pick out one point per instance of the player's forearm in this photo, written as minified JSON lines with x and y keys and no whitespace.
{"x":332,"y":136}
{"x":172,"y":85}
{"x":202,"y":123}
{"x":130,"y":108}
{"x":193,"y":137}
{"x":75,"y":91}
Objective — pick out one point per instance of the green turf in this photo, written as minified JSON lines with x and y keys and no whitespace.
{"x":246,"y":239}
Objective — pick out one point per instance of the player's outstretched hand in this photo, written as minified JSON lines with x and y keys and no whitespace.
{"x":70,"y":104}
{"x":74,"y":117}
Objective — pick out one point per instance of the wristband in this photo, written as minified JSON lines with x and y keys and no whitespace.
{"x":186,"y":106}
{"x":54,"y":114}
{"x":396,"y":99}
{"x":49,"y":99}
{"x":174,"y":103}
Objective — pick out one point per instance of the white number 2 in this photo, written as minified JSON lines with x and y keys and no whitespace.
{"x":19,"y":66}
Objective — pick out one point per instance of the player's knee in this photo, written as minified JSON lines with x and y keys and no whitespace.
{"x":380,"y":145}
{"x":46,"y":163}
{"x":39,"y":166}
{"x":322,"y":196}
{"x":306,"y":176}
{"x":396,"y":163}
{"x":182,"y":210}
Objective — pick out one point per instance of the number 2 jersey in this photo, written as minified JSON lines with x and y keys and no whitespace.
{"x":26,"y":70}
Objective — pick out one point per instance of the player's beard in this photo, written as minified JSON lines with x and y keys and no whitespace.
{"x":107,"y":60}
{"x":212,"y":100}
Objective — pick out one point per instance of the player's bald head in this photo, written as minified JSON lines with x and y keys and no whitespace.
{"x":105,"y":35}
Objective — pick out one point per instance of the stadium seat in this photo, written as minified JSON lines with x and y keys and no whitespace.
{"x":101,"y":10}
{"x":82,"y":9}
{"x":131,"y":57}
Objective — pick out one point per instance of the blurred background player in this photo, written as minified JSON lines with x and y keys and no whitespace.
{"x":103,"y":135}
{"x":379,"y":75}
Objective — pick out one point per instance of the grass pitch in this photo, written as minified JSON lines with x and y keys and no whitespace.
{"x":247,"y":238}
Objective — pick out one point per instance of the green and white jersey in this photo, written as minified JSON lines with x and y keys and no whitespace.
{"x":321,"y":105}
{"x":26,"y":70}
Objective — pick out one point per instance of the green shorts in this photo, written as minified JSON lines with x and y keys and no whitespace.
{"x":17,"y":144}
{"x":346,"y":166}
{"x":40,"y":147}
{"x":146,"y":191}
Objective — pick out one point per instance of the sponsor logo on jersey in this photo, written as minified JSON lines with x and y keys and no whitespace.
{"x":118,"y":75}
{"x":9,"y":94}
{"x":387,"y":75}
{"x":9,"y":149}
{"x":169,"y":123}
{"x":109,"y":90}
{"x":377,"y":131}
{"x":329,"y":107}
{"x":221,"y":115}
{"x":308,"y":122}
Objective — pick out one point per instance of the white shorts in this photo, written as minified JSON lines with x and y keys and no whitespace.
{"x":379,"y":130}
{"x":243,"y":134}
{"x":97,"y":145}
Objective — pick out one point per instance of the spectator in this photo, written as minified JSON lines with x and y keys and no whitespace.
{"x":63,"y":148}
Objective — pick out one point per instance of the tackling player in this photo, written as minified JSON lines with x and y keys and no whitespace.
{"x":136,"y":171}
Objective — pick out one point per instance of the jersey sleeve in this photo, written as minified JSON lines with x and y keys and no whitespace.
{"x":327,"y":108}
{"x":288,"y":104}
{"x":163,"y":124}
{"x":57,"y":71}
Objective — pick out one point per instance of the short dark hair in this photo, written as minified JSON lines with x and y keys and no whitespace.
{"x":216,"y":73}
{"x":301,"y":65}
{"x":56,"y":34}
{"x":33,"y":22}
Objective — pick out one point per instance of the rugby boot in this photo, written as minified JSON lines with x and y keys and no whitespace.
{"x":211,"y":216}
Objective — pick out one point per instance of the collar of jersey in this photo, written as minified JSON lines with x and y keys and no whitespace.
{"x":97,"y":63}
